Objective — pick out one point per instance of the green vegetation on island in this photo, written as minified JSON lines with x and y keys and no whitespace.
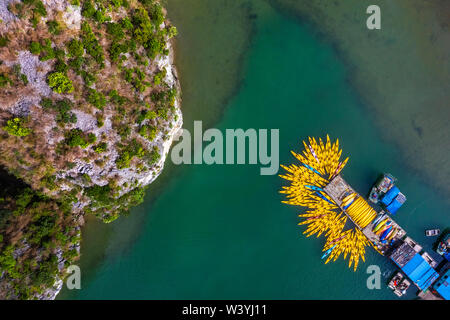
{"x":30,"y":255}
{"x":107,"y":106}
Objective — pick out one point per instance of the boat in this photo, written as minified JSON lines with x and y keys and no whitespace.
{"x":432,"y":232}
{"x":380,"y":216}
{"x":385,"y":233}
{"x":390,"y":234}
{"x":399,"y":284}
{"x":443,"y":247}
{"x":393,"y":234}
{"x":327,"y":253}
{"x":395,"y":281}
{"x":402,"y":287}
{"x":381,"y":187}
{"x":380,"y":224}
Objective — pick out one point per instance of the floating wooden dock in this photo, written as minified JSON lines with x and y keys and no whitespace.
{"x":401,"y":249}
{"x":338,"y":189}
{"x":317,"y":184}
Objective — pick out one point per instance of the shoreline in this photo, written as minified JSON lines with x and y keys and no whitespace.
{"x":176,"y":59}
{"x":175,"y":132}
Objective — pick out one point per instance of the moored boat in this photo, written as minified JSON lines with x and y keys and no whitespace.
{"x":443,"y":247}
{"x":395,"y":281}
{"x":432,"y":232}
{"x":399,"y":284}
{"x":327,"y":253}
{"x":381,"y":187}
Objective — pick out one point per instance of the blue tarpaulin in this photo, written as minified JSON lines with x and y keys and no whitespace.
{"x":413,"y":264}
{"x":442,"y":286}
{"x":394,"y":206}
{"x":420,"y":272}
{"x":390,"y":195}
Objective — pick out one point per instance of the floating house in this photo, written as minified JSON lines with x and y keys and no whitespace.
{"x":348,"y":222}
{"x":442,"y":286}
{"x":414,"y":266}
{"x":393,"y":199}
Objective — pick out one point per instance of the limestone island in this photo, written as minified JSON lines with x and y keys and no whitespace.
{"x":89,"y":107}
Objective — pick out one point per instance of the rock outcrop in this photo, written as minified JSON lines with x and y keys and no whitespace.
{"x":89,"y":105}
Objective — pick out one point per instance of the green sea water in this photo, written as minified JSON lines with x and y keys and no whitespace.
{"x":221,"y":232}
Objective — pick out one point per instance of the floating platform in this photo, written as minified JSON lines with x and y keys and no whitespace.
{"x":414,"y":266}
{"x":384,"y":248}
{"x":399,"y":284}
{"x":316,"y":184}
{"x":337,"y":189}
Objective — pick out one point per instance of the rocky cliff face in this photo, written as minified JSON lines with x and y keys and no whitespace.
{"x":89,"y":106}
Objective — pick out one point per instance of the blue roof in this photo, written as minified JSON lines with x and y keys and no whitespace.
{"x":442,"y":286}
{"x":390,"y":195}
{"x":412,"y":264}
{"x":394,"y":206}
{"x":420,"y":272}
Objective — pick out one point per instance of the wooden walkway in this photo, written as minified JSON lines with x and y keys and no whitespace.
{"x":338,"y":189}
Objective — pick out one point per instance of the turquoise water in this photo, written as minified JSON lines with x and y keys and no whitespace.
{"x":221,"y":232}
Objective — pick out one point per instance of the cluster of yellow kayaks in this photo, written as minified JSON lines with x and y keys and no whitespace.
{"x":320,"y":163}
{"x":358,"y":209}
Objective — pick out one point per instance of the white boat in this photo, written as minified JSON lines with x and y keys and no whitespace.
{"x":432,"y":232}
